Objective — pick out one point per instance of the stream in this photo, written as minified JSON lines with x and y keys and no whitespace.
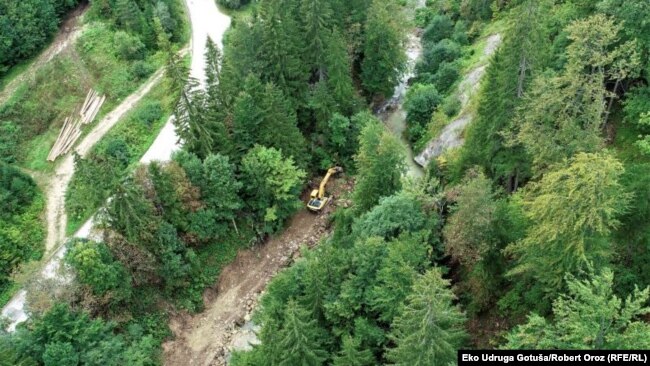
{"x":392,"y":112}
{"x":206,"y":21}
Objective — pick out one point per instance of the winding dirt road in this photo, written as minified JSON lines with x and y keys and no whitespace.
{"x":204,"y":339}
{"x":68,"y":33}
{"x":206,"y":21}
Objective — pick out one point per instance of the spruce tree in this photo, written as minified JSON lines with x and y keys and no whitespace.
{"x":279,"y":125}
{"x":352,"y":354}
{"x":129,"y":15}
{"x":220,"y":189}
{"x":589,"y":316}
{"x":339,"y":74}
{"x":300,"y":338}
{"x":129,"y":213}
{"x":193,"y":127}
{"x":431,"y":328}
{"x":384,"y":60}
{"x":380,"y":164}
{"x":316,"y":17}
{"x":216,"y":109}
{"x":280,"y":48}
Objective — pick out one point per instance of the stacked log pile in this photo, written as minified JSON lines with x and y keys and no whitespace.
{"x":71,"y":129}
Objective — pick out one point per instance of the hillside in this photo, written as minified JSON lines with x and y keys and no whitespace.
{"x":524,"y":225}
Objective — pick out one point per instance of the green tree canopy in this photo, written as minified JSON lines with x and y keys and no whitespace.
{"x":572,"y":211}
{"x":380,"y":164}
{"x":431,"y":328}
{"x":588,"y":316}
{"x":384,"y":59}
{"x":271,"y":185}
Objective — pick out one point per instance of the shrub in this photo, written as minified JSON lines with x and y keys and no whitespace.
{"x":446,"y":76}
{"x":128,"y":47}
{"x":444,"y":51}
{"x":141,"y":69}
{"x":451,"y":106}
{"x":439,"y":28}
{"x":118,"y":150}
{"x":149,"y":113}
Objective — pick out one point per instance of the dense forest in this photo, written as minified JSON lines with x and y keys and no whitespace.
{"x":539,"y":222}
{"x":532,"y":235}
{"x":26,"y":26}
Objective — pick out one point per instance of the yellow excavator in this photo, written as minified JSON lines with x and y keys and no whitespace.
{"x":317,"y":199}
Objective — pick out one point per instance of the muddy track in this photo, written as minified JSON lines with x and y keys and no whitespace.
{"x":205,"y":339}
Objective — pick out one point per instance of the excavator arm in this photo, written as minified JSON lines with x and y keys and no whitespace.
{"x":317,"y":199}
{"x":323,"y":183}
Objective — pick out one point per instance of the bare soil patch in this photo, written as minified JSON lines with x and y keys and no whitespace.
{"x":205,"y":339}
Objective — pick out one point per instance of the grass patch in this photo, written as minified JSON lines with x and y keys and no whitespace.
{"x":116,"y":156}
{"x":108,"y":60}
{"x":15,"y":71}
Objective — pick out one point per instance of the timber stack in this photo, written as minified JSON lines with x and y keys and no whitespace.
{"x":71,"y":129}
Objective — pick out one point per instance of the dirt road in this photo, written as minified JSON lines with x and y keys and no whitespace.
{"x":204,"y":339}
{"x":70,"y":30}
{"x":55,"y":213}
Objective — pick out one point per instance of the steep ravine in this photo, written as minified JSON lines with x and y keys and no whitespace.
{"x":451,"y":135}
{"x":392,"y":112}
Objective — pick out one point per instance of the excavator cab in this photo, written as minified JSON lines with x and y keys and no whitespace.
{"x":317,"y":198}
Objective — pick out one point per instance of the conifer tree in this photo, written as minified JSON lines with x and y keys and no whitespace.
{"x":352,"y":354}
{"x":339,"y":74}
{"x":193,"y":127}
{"x":430,"y":329}
{"x":524,"y":53}
{"x":216,"y":108}
{"x":380,"y":164}
{"x":588,"y":316}
{"x":129,"y":15}
{"x":572,"y":211}
{"x":279,"y":125}
{"x":247,"y":115}
{"x":316,"y":17}
{"x":301,"y":339}
{"x":280,"y":48}
{"x":467,"y":233}
{"x":129,"y":213}
{"x":220,"y":189}
{"x":384,"y":59}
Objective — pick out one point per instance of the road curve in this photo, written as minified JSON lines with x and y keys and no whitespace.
{"x":206,"y":21}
